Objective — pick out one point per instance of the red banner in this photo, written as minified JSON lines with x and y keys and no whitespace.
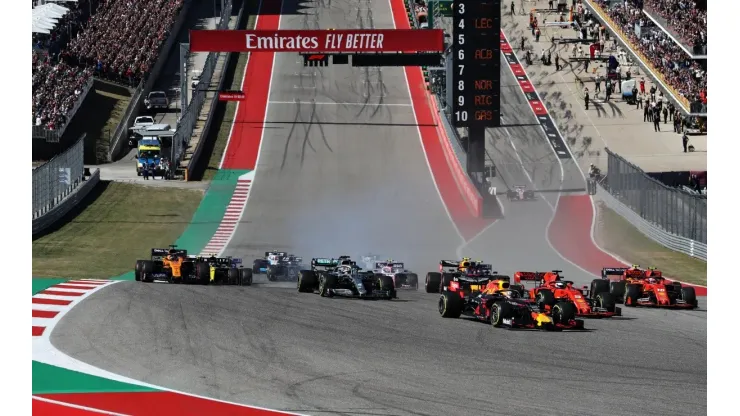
{"x":344,"y":40}
{"x":231,"y":96}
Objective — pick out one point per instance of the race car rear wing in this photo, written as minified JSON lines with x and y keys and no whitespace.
{"x":225,"y":261}
{"x":612,"y":271}
{"x":530,"y":276}
{"x":323,"y":263}
{"x":159,"y":253}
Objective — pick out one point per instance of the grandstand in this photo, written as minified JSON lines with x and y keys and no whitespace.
{"x":657,"y":46}
{"x":86,"y":48}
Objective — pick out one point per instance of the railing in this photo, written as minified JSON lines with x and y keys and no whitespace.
{"x":671,"y":216}
{"x":682,"y":101}
{"x":58,"y":178}
{"x":53,"y":136}
{"x":187,"y":122}
{"x":122,"y":129}
{"x":672,"y":241}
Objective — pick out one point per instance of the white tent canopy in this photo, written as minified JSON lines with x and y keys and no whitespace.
{"x":44,"y":18}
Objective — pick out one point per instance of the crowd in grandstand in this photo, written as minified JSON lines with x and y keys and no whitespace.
{"x":123,"y":38}
{"x":119,"y":42}
{"x":684,"y":18}
{"x":56,"y":88}
{"x":684,"y":75}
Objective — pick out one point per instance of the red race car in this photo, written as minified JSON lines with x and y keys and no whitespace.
{"x":550,"y":289}
{"x":647,"y":287}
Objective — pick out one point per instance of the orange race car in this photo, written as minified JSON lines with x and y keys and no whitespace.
{"x":550,"y":289}
{"x":636,"y":286}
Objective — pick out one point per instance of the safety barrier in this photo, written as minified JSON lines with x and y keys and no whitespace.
{"x":59,"y":184}
{"x":189,"y":118}
{"x":61,"y":209}
{"x":672,"y":241}
{"x":199,"y":147}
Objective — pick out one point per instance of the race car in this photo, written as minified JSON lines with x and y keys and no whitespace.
{"x":466,"y":271}
{"x":550,"y":289}
{"x":636,"y":286}
{"x":402,"y":278}
{"x":173,"y":265}
{"x":342,"y":277}
{"x":259,"y":266}
{"x":287,"y":268}
{"x":226,"y":270}
{"x":501,"y":306}
{"x":520,"y":193}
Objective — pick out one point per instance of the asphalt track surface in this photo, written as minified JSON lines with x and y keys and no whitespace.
{"x":329,"y":189}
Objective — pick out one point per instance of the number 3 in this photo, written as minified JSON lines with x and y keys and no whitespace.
{"x":462,"y":8}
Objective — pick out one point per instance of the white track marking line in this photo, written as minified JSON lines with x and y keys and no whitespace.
{"x":62,"y":289}
{"x":76,"y":406}
{"x":341,"y":104}
{"x":50,"y":308}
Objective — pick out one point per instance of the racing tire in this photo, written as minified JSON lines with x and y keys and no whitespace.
{"x":606,"y":300}
{"x":618,"y":289}
{"x":450,"y":305}
{"x":499,"y":312}
{"x":203,"y":273}
{"x":563,"y":313}
{"x":599,"y":286}
{"x":446,"y":279}
{"x":545,"y":297}
{"x":233,"y":277}
{"x":633,"y":292}
{"x":137,"y":270}
{"x":245,"y":277}
{"x":326,"y":284}
{"x":412,"y":279}
{"x":688,"y":295}
{"x":386,"y":283}
{"x":433,"y":281}
{"x":307,"y":281}
{"x":147,"y":268}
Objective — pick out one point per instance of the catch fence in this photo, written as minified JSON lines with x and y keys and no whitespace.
{"x":58,"y":178}
{"x":676,"y":211}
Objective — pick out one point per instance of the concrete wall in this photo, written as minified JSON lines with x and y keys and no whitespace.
{"x":60,"y":210}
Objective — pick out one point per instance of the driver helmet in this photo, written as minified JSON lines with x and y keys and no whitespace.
{"x":560,"y":285}
{"x":510,"y":293}
{"x":652,"y":280}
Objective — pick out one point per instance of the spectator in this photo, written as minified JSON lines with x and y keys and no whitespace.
{"x":120,"y":41}
{"x":687,"y":77}
{"x":685,"y":19}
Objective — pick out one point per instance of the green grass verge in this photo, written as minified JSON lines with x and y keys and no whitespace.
{"x":617,"y":235}
{"x":117,"y":224}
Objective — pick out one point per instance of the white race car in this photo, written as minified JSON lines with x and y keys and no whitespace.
{"x":402,"y":278}
{"x":520,"y":193}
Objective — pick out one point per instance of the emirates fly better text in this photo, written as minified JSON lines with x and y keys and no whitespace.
{"x":332,"y":41}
